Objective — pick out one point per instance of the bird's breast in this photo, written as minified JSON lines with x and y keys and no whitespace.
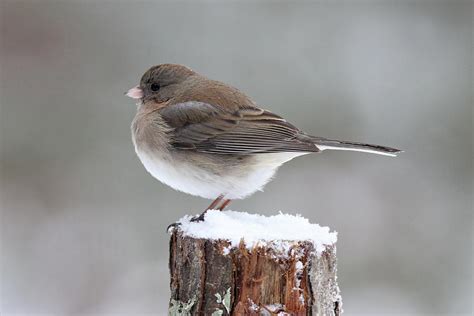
{"x":150,"y":131}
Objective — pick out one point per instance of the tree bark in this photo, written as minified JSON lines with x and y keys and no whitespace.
{"x":208,"y":277}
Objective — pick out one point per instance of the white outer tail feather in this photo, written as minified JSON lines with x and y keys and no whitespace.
{"x":372,"y":151}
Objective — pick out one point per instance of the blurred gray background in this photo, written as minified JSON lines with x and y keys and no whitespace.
{"x":83,"y":224}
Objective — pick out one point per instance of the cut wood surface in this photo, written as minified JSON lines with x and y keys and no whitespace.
{"x":278,"y":277}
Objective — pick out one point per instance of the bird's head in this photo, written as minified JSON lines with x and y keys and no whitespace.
{"x":159,"y":83}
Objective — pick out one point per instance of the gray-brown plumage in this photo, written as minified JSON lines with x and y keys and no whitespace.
{"x":209,"y":139}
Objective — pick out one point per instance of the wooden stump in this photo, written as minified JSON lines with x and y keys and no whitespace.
{"x":209,"y":277}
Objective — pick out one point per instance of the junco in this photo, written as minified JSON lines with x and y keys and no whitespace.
{"x":206,"y":138}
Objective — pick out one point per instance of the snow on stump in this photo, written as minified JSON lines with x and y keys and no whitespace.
{"x":237,"y":263}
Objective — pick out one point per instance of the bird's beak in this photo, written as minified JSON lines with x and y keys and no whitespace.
{"x":135,"y":93}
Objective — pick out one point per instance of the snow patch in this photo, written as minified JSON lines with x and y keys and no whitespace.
{"x":298,"y":275}
{"x":275,"y":308}
{"x":279,"y":231}
{"x":227,"y":250}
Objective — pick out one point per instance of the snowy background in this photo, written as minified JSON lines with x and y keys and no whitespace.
{"x":83,"y":224}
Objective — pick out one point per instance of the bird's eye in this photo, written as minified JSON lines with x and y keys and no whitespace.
{"x":155,"y":87}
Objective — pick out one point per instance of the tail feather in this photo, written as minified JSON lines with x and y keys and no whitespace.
{"x":323,"y":144}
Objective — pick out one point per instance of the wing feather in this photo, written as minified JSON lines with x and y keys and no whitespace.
{"x":206,"y":128}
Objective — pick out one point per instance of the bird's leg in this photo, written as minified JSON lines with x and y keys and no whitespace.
{"x":214,"y":203}
{"x":210,"y":207}
{"x":201,"y":216}
{"x":224,"y":204}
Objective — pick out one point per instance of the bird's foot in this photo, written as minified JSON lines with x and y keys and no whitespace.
{"x":172,"y":227}
{"x":194,"y":219}
{"x":199,"y":218}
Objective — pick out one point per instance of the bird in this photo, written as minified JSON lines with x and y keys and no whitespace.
{"x":209,"y":139}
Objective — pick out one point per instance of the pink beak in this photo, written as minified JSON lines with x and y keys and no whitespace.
{"x":135,"y":93}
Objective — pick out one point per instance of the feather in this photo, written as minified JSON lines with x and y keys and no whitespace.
{"x":206,"y":128}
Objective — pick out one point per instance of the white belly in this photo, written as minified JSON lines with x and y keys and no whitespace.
{"x":236,"y":183}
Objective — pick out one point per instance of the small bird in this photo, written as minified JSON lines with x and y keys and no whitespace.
{"x":208,"y":139}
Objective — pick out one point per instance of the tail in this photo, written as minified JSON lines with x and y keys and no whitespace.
{"x":323,"y":144}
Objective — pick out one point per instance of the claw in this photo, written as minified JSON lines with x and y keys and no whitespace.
{"x":198,"y":218}
{"x":172,"y":227}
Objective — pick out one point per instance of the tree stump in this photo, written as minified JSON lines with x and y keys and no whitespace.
{"x":212,"y":275}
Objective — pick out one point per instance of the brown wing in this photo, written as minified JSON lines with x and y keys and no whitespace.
{"x":205,"y":128}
